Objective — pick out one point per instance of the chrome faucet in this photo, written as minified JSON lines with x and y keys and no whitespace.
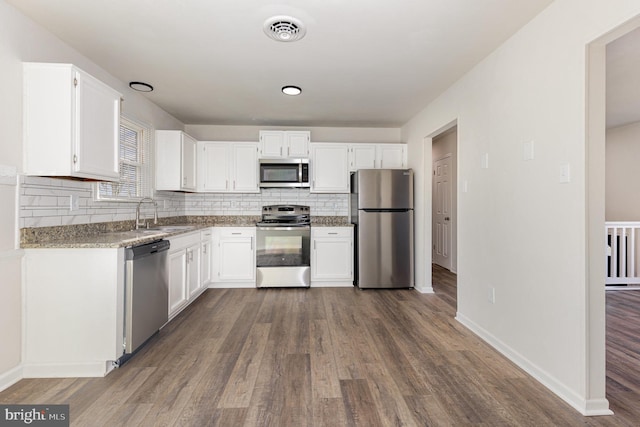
{"x":155,"y":213}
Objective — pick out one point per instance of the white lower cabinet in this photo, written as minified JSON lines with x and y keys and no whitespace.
{"x":73,"y":324}
{"x":331,"y":256}
{"x":184,"y":259}
{"x":234,"y":257}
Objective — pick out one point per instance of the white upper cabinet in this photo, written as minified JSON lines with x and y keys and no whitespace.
{"x":329,"y":168}
{"x":362,"y":156}
{"x":175,"y":161}
{"x":228,"y":167}
{"x":377,"y":156}
{"x":391,"y":156}
{"x":71,"y":123}
{"x":278,"y":144}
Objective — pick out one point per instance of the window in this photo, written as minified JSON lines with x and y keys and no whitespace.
{"x":135,"y":165}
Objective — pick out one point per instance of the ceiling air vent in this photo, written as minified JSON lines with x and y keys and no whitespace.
{"x":284,"y":28}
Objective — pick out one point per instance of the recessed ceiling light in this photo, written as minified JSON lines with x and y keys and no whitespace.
{"x":291,"y":90}
{"x":141,"y":86}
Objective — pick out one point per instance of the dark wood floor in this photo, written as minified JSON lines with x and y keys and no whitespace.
{"x":331,"y":357}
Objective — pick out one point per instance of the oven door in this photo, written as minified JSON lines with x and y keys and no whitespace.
{"x":282,"y":256}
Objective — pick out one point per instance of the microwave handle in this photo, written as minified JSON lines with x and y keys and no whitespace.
{"x":300,"y":172}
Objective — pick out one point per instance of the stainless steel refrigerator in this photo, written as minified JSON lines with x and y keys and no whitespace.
{"x":382,"y":213}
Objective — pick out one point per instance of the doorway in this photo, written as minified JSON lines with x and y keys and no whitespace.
{"x":597,"y":106}
{"x":444,"y":199}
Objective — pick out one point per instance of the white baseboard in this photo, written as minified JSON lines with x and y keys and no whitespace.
{"x":227,"y":285}
{"x":424,"y":289}
{"x":9,"y":378}
{"x":64,"y":370}
{"x":332,"y":284}
{"x":587,"y":407}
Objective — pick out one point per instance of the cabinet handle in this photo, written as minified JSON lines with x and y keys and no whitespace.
{"x":288,"y":151}
{"x":332,"y":233}
{"x":204,"y":249}
{"x":252,"y":243}
{"x":280,"y":151}
{"x":234,"y":184}
{"x":314,"y":245}
{"x":226,"y":184}
{"x":75,"y":158}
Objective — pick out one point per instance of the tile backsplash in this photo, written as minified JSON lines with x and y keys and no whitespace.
{"x":46,"y":202}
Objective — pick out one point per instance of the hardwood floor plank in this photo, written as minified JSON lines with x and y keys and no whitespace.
{"x":239,"y":387}
{"x":324,"y":373}
{"x":359,"y":404}
{"x":329,"y":412}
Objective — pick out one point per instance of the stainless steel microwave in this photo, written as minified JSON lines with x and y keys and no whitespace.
{"x":287,"y":173}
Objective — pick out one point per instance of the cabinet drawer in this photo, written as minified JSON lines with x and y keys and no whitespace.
{"x":331,"y":231}
{"x":184,"y":240}
{"x":236,"y":232}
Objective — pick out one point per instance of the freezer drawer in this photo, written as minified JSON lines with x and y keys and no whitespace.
{"x":385,"y":250}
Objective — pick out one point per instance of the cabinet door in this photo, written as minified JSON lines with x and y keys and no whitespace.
{"x":193,"y":269}
{"x":213,"y":167}
{"x":297,"y":144}
{"x":98,"y":122}
{"x":332,"y":259}
{"x":188,"y":163}
{"x":245,"y":168}
{"x":362,"y":156}
{"x":271,"y":144}
{"x":330,"y":169}
{"x":236,"y":259}
{"x":177,"y":280}
{"x":392,"y":156}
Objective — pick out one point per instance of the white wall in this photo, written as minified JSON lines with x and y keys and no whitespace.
{"x":623,"y":173}
{"x":318,"y":134}
{"x":520,"y":230}
{"x":22,"y":40}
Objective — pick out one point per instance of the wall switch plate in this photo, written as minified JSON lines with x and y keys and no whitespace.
{"x":565,"y":173}
{"x":484,"y":161}
{"x":465,"y":186}
{"x":492,"y":295}
{"x":527,"y":150}
{"x":74,"y":203}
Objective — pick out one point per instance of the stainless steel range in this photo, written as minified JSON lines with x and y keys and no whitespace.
{"x":283,"y":247}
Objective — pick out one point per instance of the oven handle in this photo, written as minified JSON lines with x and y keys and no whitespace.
{"x":288,"y":228}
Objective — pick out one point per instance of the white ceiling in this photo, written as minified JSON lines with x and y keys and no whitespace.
{"x":362,"y":63}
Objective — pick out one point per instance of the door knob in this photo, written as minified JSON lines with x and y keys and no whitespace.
{"x":446,"y":218}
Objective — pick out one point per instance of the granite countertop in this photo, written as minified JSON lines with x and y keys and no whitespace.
{"x":120,"y":234}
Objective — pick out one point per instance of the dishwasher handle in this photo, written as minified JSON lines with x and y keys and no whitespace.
{"x":146,"y":249}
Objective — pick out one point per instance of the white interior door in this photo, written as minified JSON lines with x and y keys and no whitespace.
{"x":442,"y":212}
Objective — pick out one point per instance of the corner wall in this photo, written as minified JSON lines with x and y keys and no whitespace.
{"x":521,"y":230}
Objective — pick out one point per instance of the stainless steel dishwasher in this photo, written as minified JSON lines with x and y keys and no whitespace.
{"x":146,"y":293}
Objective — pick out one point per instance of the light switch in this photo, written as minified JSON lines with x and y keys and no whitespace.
{"x":527,"y":150}
{"x":74,"y":204}
{"x":465,"y":186}
{"x":565,"y":173}
{"x":485,"y":161}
